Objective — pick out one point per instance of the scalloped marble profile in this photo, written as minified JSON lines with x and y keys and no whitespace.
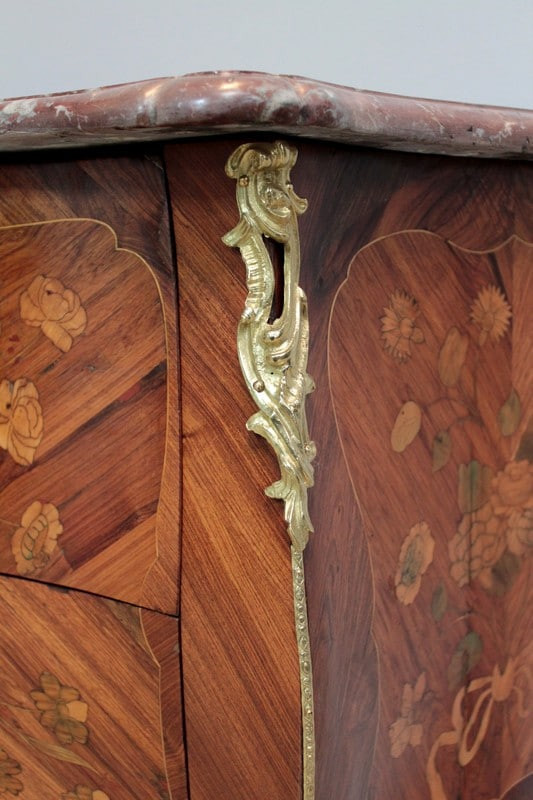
{"x":213,"y":103}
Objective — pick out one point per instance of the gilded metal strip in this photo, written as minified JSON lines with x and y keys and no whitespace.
{"x":273,"y":359}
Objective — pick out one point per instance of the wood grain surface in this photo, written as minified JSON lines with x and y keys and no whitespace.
{"x":86,"y":696}
{"x":240,"y":662}
{"x":89,"y":492}
{"x":417,"y":271}
{"x":478,"y":206}
{"x":433,"y":424}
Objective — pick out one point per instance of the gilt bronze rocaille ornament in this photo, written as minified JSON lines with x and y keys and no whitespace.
{"x":273,"y":358}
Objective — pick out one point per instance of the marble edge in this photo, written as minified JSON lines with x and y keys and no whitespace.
{"x":217,"y":103}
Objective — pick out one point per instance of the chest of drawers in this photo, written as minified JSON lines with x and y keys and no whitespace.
{"x":168,"y":629}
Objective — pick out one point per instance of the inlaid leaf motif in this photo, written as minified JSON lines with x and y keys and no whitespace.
{"x":525,"y":448}
{"x":442,"y":450}
{"x":439,"y":602}
{"x":474,"y":484}
{"x":466,"y":656}
{"x":504,"y":573}
{"x":56,"y":751}
{"x":452,"y":356}
{"x":406,"y":426}
{"x":509,"y":414}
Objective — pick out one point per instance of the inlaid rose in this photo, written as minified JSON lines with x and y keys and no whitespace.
{"x":512,"y":498}
{"x":512,"y":488}
{"x":21,"y":420}
{"x":35,"y":540}
{"x":58,"y":311}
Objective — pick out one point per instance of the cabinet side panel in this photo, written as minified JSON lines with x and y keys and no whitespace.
{"x":360,"y":656}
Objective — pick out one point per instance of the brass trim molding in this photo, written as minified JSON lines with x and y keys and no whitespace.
{"x":273,"y":359}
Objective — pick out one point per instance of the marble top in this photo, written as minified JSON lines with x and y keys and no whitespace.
{"x":214,"y":103}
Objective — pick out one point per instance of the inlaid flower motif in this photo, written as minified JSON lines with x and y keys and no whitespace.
{"x":61,"y":710}
{"x":477,"y":545}
{"x":512,"y":498}
{"x":398,"y":329}
{"x":520,"y":532}
{"x":512,"y":488}
{"x":82,"y":792}
{"x":407,"y":730}
{"x":21,"y":420}
{"x":36,"y":539}
{"x":58,"y":311}
{"x":491,"y":312}
{"x":9,"y":769}
{"x":415,"y":557}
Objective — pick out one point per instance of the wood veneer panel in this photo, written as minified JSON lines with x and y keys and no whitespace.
{"x":355,"y":198}
{"x":89,"y":696}
{"x":107,"y":458}
{"x":441,"y":625}
{"x":240,"y":664}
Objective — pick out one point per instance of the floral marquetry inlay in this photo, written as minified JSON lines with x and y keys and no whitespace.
{"x":10,"y":783}
{"x":81,"y":361}
{"x":57,"y":311}
{"x":82,"y":703}
{"x":407,"y":730}
{"x":61,"y":710}
{"x":415,"y":557}
{"x":491,"y":313}
{"x":21,"y":420}
{"x":438,"y":429}
{"x":399,"y":330}
{"x":36,"y":539}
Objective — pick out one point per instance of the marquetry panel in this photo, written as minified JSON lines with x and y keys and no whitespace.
{"x":418,"y":279}
{"x":436,"y":440}
{"x":89,"y":698}
{"x":88,"y":417}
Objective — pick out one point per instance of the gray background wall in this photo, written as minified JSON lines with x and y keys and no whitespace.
{"x":477,"y":51}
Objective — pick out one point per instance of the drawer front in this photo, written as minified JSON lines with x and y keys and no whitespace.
{"x":89,"y":698}
{"x":87,"y":381}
